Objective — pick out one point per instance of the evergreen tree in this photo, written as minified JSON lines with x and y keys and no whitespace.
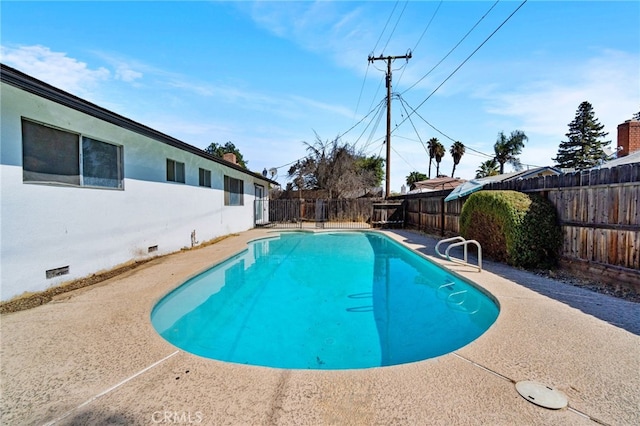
{"x":585,"y":147}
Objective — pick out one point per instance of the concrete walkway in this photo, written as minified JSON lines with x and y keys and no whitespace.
{"x":92,"y":357}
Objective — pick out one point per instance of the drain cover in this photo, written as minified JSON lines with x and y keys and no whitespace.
{"x":542,"y":395}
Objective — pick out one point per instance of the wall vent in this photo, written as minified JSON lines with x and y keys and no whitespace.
{"x":152,"y":249}
{"x":52,"y":273}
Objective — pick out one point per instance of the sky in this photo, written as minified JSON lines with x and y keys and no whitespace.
{"x":270,"y":76}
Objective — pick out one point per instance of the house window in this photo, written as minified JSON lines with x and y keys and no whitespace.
{"x":205,"y":178}
{"x":175,"y":171}
{"x":51,"y":155}
{"x":101,"y":164}
{"x":233,"y":192}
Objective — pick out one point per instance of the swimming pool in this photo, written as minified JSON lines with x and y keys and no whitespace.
{"x":326,"y":300}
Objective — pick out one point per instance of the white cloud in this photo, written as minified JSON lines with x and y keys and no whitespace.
{"x":55,"y":68}
{"x":127,"y":75}
{"x":608,"y":81}
{"x":340,"y":31}
{"x":126,"y":69}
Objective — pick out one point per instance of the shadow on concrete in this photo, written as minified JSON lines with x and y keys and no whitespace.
{"x":616,"y":311}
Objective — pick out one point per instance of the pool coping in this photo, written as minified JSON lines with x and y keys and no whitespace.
{"x":93,"y":357}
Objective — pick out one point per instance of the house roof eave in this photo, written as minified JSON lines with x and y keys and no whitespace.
{"x":37,"y":87}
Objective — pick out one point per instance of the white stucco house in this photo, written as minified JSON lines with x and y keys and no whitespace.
{"x":84,"y":189}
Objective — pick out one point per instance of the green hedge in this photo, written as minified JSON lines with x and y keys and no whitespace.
{"x":513,"y":227}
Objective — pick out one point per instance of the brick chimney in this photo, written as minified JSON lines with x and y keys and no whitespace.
{"x":628,"y":137}
{"x":230,"y":157}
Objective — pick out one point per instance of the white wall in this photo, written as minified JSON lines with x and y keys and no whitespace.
{"x":44,"y":227}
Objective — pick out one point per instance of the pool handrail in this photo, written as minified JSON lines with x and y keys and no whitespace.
{"x":446,"y":240}
{"x":464,"y":243}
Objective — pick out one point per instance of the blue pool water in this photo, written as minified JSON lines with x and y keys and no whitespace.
{"x":324,"y":301}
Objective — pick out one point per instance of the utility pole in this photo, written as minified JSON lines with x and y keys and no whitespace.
{"x":388,"y":81}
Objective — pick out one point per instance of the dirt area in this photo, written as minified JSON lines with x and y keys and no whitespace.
{"x":567,"y":277}
{"x":31,"y":300}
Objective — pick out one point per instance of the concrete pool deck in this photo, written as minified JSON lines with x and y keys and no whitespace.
{"x":92,"y":357}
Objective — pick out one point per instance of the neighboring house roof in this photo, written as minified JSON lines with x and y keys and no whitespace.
{"x":436,"y":184}
{"x":634,"y":157}
{"x":525,"y":174}
{"x":477,"y":184}
{"x":44,"y":90}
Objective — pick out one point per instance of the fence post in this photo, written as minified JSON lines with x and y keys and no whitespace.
{"x":442,"y":216}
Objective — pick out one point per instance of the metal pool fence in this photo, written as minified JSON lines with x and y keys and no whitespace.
{"x":359,"y":213}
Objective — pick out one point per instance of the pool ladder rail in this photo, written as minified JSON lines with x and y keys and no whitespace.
{"x":464,"y":243}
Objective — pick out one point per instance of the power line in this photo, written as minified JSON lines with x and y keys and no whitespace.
{"x":428,"y":24}
{"x":454,"y":47}
{"x":355,"y":112}
{"x":413,"y":111}
{"x":403,"y":159}
{"x":423,"y":33}
{"x":413,"y":125}
{"x":339,"y":136}
{"x":385,"y":25}
{"x":355,"y":125}
{"x":373,"y":130}
{"x":368,"y":63}
{"x":395,"y":26}
{"x":478,"y":153}
{"x":469,"y":57}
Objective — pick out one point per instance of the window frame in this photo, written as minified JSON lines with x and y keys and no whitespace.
{"x":174,"y":169}
{"x":119,"y":161}
{"x":204,"y":177}
{"x":79,"y":157}
{"x":233,"y":196}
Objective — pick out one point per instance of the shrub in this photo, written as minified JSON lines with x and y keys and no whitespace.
{"x":513,"y":227}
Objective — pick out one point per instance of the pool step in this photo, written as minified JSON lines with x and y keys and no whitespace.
{"x":448,"y":285}
{"x":459,"y":300}
{"x":365,"y":295}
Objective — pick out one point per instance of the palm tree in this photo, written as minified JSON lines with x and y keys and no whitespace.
{"x":431,"y":146}
{"x":488,"y":168}
{"x":507,"y":149}
{"x":457,"y":151}
{"x":439,"y":152}
{"x":415,"y":177}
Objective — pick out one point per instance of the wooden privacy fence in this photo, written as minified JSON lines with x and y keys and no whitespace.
{"x":325,"y":213}
{"x":428,"y":212}
{"x":598,"y":211}
{"x":320,"y":213}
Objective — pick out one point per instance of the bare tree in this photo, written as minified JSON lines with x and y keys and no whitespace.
{"x":337,"y":168}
